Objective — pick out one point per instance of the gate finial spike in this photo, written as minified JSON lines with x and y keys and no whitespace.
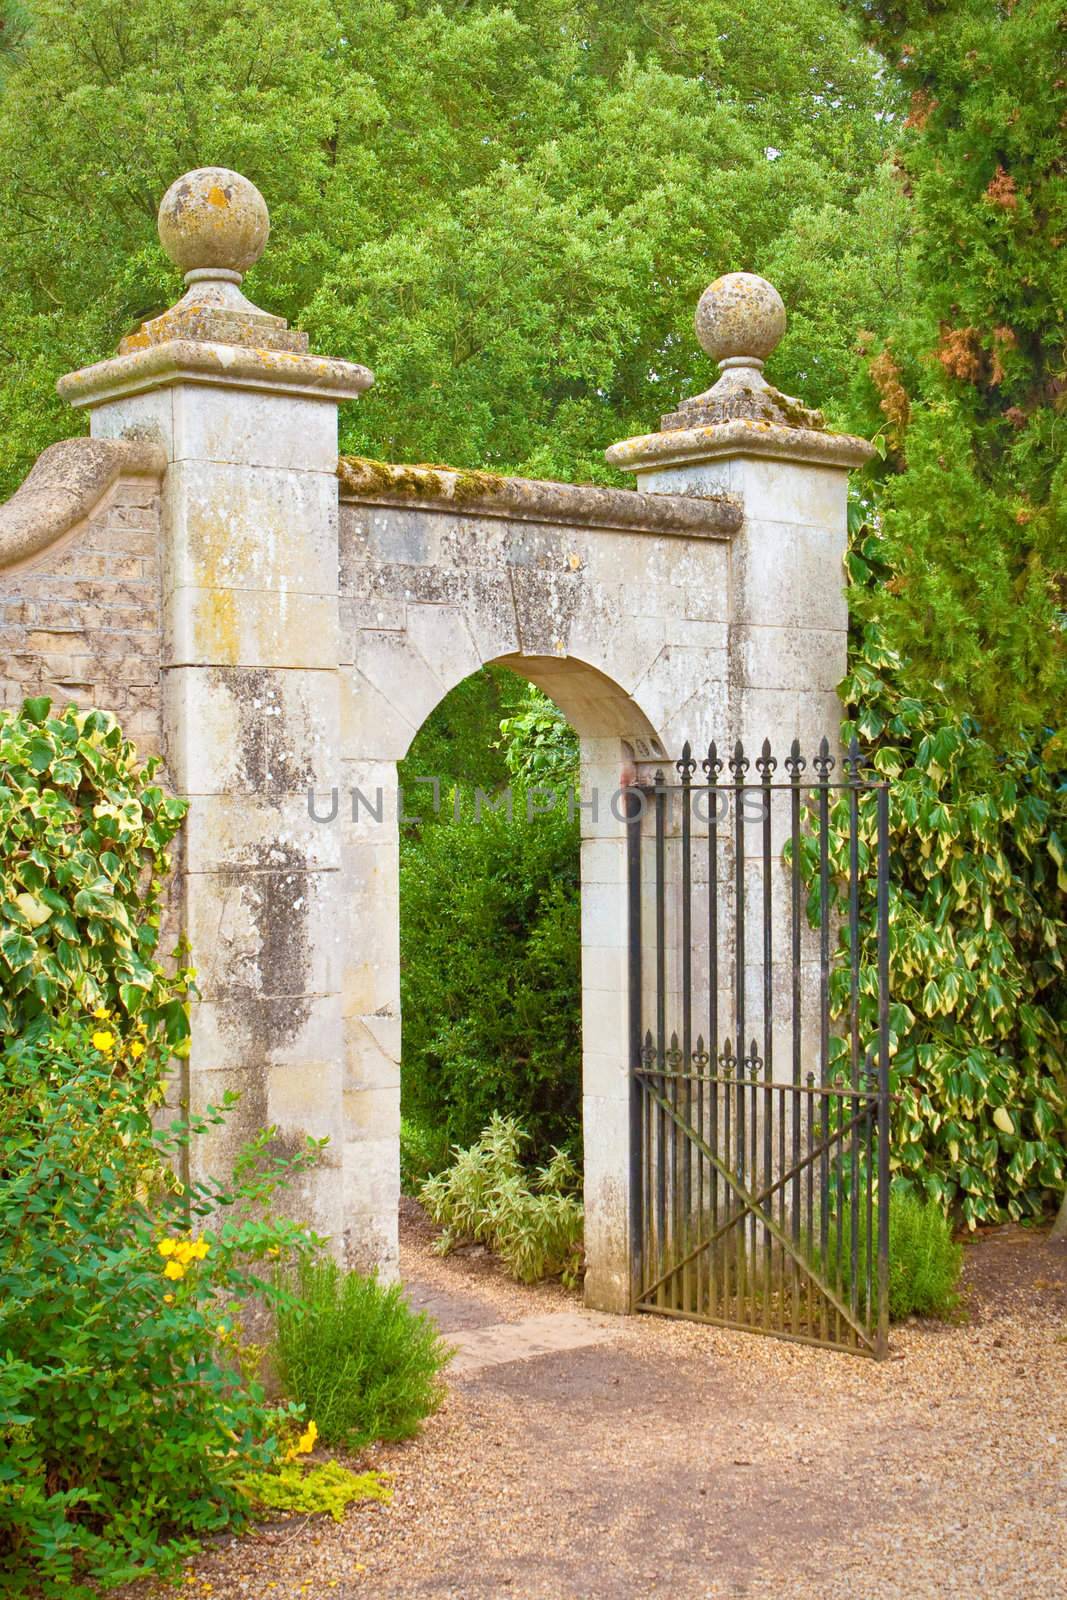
{"x":713,"y":766}
{"x":824,"y":761}
{"x":765,"y":763}
{"x":739,"y":763}
{"x":794,"y":761}
{"x":853,"y":759}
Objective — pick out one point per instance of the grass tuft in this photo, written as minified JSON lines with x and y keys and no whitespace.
{"x":354,"y":1354}
{"x":924,"y":1260}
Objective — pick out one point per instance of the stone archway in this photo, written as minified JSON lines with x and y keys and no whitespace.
{"x":304,"y":613}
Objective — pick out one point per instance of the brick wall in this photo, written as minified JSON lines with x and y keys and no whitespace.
{"x":82,"y":622}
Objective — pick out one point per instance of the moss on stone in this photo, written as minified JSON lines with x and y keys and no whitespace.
{"x":476,"y":486}
{"x":420,"y":482}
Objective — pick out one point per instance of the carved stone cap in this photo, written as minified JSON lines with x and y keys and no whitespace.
{"x":739,"y":321}
{"x":214,"y":225}
{"x":739,"y":437}
{"x":226,"y":365}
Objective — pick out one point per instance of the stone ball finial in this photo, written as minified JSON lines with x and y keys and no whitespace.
{"x":213,"y":222}
{"x":740,"y":318}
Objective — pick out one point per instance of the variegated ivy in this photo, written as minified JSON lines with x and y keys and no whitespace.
{"x":978,"y":930}
{"x":85,"y":833}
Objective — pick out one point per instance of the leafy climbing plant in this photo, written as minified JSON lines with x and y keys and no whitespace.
{"x":977,"y":928}
{"x":86,"y":832}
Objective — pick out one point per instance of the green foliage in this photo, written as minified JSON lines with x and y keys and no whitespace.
{"x":322,"y":1487}
{"x":85,"y":834}
{"x":490,"y":939}
{"x":424,"y":1150}
{"x":14,"y":28}
{"x":978,"y":927}
{"x":508,"y":211}
{"x":540,"y":746}
{"x":971,"y":374}
{"x":124,"y":1421}
{"x":924,"y":1261}
{"x":354,"y":1354}
{"x":534,"y":1224}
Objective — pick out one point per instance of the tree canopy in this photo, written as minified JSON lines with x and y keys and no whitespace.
{"x":972,"y":372}
{"x":509,"y":211}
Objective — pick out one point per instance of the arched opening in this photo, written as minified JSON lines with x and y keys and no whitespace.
{"x":513,"y":977}
{"x":490,"y":927}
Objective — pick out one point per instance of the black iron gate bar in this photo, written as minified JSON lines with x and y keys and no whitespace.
{"x":710,"y":1161}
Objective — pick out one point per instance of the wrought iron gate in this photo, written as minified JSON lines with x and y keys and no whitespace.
{"x":760,"y":1185}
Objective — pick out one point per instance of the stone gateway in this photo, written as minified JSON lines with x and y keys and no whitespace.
{"x":276,"y":620}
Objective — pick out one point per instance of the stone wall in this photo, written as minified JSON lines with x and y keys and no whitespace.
{"x":80,"y":616}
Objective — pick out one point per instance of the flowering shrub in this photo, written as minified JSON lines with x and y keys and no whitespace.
{"x":127,"y":1425}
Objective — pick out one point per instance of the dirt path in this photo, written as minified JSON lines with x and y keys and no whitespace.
{"x":580,"y":1457}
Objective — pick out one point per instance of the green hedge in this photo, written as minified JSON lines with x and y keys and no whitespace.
{"x":490,"y":977}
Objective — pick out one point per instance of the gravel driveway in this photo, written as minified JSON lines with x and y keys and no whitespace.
{"x":645,"y":1456}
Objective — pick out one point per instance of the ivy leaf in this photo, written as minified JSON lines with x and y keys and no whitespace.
{"x":34,"y":910}
{"x":40,"y":755}
{"x":17,"y":950}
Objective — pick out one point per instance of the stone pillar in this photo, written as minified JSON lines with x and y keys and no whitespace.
{"x":248,"y":421}
{"x":788,"y":617}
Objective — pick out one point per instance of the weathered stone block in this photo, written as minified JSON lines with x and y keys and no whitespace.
{"x":249,"y":628}
{"x":268,"y":529}
{"x":251,"y":730}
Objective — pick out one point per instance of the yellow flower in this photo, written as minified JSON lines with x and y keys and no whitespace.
{"x":199,"y":1249}
{"x":174,"y":1270}
{"x":136,"y":1049}
{"x":167,"y":1247}
{"x":103,"y":1040}
{"x":305,"y":1443}
{"x":222,"y":1330}
{"x":168,"y":1299}
{"x":101,"y":1013}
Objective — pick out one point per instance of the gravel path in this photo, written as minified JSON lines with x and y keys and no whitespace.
{"x":679,"y":1460}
